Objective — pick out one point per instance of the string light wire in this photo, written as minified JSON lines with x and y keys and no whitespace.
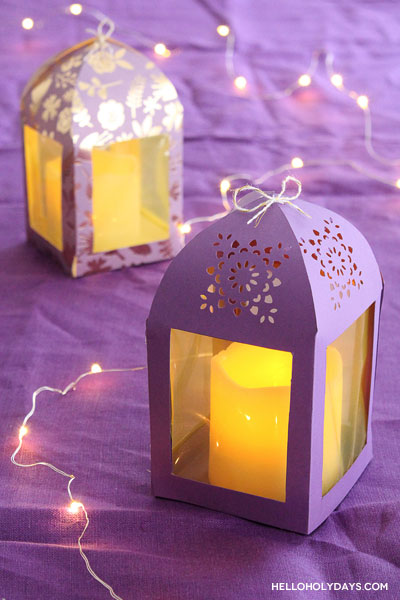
{"x":240,"y":83}
{"x":75,"y":505}
{"x":304,"y":80}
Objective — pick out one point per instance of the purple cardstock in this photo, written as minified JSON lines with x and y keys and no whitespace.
{"x":311,"y":311}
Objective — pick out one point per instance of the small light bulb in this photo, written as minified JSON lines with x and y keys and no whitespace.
{"x":297,"y":163}
{"x":95,"y":368}
{"x":162,"y":50}
{"x":362,"y":102}
{"x":337,"y":80}
{"x":304,"y":80}
{"x":184,"y":228}
{"x":223,"y":30}
{"x":75,"y":9}
{"x":27,"y":23}
{"x":224,"y":186}
{"x":23,"y":431}
{"x":74,"y":507}
{"x":240,"y":82}
{"x":398,"y":184}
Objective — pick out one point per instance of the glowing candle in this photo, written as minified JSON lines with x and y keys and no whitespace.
{"x":249,"y":415}
{"x":333,"y":462}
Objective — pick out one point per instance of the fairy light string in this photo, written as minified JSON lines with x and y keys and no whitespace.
{"x":75,"y":505}
{"x":304,"y":80}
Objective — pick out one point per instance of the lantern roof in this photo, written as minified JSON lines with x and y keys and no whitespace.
{"x":291,"y":275}
{"x":96,"y":93}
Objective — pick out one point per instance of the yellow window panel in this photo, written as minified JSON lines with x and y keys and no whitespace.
{"x":130,"y":193}
{"x":230,"y":413}
{"x":43,"y":162}
{"x":348,"y":382}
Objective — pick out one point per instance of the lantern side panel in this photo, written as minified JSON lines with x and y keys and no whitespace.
{"x":127,"y":131}
{"x":347,"y":391}
{"x":229,"y":413}
{"x":342,"y":270}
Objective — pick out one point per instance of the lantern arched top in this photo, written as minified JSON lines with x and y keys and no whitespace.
{"x":270,"y":284}
{"x":94,"y":95}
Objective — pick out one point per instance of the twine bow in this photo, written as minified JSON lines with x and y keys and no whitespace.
{"x":104,"y":29}
{"x":268,"y":200}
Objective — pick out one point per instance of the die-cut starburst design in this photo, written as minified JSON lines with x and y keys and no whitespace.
{"x":243,"y":278}
{"x":335,"y":260}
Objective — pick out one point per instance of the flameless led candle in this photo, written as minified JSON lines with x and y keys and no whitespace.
{"x":249,"y":415}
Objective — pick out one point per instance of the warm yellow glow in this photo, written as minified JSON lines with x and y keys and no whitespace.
{"x":398,"y":183}
{"x":95,"y":368}
{"x":240,"y":82}
{"x":23,"y":431}
{"x":304,"y":80}
{"x":332,"y":461}
{"x":184,"y":228}
{"x":362,"y":102}
{"x":223,"y":30}
{"x":75,"y":9}
{"x":161,"y":50}
{"x":135,"y":174}
{"x":74,"y":507}
{"x":249,"y":415}
{"x":27,"y":23}
{"x":224,"y":186}
{"x":337,"y":80}
{"x":297,"y":162}
{"x":43,"y":162}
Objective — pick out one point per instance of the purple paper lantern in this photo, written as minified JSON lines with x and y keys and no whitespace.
{"x":102,"y":133}
{"x":261,"y":352}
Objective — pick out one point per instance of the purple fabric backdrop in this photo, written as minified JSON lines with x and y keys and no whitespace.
{"x":53,"y":328}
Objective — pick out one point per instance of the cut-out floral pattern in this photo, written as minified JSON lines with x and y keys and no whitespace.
{"x":124,"y":137}
{"x":105,"y":61}
{"x":243,"y":278}
{"x":71,"y":63}
{"x":151,"y":105}
{"x":111,"y":115}
{"x":46,"y":133}
{"x":65,"y":80}
{"x":64,"y":120}
{"x":50,"y":107}
{"x":95,"y":139}
{"x":334,"y":259}
{"x":146,"y":128}
{"x":173,"y":116}
{"x":135,"y":94}
{"x":38,"y":93}
{"x":163,"y":88}
{"x":95,"y":86}
{"x":82,"y":118}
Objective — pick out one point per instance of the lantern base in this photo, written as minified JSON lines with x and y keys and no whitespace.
{"x":289,"y":515}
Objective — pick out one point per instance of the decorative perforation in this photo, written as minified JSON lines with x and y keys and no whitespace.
{"x":335,"y":260}
{"x":243,"y":278}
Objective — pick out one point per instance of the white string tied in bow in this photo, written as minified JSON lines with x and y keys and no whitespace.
{"x":104,"y":29}
{"x":268,"y":199}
